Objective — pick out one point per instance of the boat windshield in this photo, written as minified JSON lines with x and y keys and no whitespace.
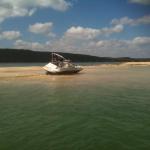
{"x":57,"y":57}
{"x":59,"y":60}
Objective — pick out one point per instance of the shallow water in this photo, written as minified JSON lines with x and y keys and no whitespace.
{"x":104,"y":108}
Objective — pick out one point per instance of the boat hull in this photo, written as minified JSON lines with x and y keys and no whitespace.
{"x":53,"y":69}
{"x":63,"y":72}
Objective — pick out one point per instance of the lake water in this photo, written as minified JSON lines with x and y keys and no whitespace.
{"x":105,"y":108}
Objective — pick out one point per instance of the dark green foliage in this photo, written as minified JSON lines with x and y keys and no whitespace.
{"x":21,"y":55}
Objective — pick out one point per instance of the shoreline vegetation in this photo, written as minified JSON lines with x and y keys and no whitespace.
{"x":21,"y":55}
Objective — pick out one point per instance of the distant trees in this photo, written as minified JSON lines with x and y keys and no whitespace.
{"x":22,"y":55}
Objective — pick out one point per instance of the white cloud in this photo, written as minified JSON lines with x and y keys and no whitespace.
{"x":10,"y":35}
{"x":41,"y":28}
{"x":89,"y":41}
{"x":82,"y":33}
{"x":136,"y":47}
{"x":116,"y":29}
{"x":28,"y":45}
{"x":141,"y":40}
{"x":90,"y":33}
{"x":129,"y":21}
{"x":14,"y":8}
{"x":144,"y":2}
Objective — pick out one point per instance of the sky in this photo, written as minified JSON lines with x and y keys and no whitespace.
{"x":117,"y":28}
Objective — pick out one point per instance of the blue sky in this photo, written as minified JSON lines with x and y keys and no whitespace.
{"x":118,"y":28}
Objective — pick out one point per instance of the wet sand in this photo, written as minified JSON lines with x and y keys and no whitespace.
{"x":90,"y":75}
{"x":136,"y":64}
{"x":38,"y":71}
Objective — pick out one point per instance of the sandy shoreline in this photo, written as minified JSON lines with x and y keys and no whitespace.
{"x":38,"y":71}
{"x":125,"y":64}
{"x":91,"y":75}
{"x":136,"y":64}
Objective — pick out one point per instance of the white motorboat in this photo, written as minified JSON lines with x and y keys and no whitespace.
{"x":61,"y":65}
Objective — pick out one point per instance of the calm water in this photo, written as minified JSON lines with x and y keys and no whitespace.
{"x":104,"y":108}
